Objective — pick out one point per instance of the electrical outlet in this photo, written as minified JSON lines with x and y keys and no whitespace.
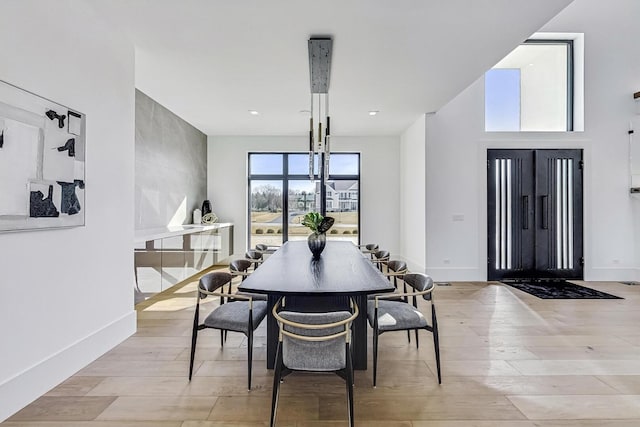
{"x":446,"y":261}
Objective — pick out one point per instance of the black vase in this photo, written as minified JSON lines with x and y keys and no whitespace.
{"x":206,"y":207}
{"x":316,"y":242}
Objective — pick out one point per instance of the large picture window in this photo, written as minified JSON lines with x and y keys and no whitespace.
{"x":281,"y":193}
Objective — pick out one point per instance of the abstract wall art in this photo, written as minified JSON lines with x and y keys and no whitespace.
{"x":42,"y":158}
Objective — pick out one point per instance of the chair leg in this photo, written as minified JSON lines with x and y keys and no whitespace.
{"x":409,"y":336}
{"x":350,"y":387}
{"x":375,"y":356}
{"x":417,"y":342}
{"x":221,"y":337}
{"x":276,"y":386}
{"x":249,"y":357}
{"x":194,"y":339}
{"x":436,"y":340}
{"x":194,"y":335}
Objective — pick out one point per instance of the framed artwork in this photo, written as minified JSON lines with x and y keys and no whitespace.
{"x":42,"y":159}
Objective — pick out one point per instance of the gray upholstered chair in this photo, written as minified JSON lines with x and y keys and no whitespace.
{"x":317,"y":342}
{"x":380,"y":259}
{"x":255,"y":257}
{"x":266,"y":249}
{"x":240,"y":268}
{"x":396,"y":269}
{"x":235,"y":313}
{"x":369,"y":248}
{"x":386,"y":315}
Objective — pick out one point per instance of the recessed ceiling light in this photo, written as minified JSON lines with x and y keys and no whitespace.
{"x":305,"y":111}
{"x":253,"y":112}
{"x":373,"y":113}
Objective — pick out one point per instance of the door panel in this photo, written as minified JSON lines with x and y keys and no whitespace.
{"x":559,"y":238}
{"x":511,"y":229}
{"x":534,"y":201}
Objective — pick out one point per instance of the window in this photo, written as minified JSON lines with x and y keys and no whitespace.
{"x":532,"y":89}
{"x":281,"y":193}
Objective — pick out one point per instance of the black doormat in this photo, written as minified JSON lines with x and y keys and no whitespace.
{"x":559,"y":290}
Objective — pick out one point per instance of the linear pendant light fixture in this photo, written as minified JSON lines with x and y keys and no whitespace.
{"x":319,"y":68}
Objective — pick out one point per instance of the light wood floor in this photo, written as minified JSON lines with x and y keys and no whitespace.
{"x":509,"y":360}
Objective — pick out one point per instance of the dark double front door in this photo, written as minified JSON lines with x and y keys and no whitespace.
{"x":534,"y":214}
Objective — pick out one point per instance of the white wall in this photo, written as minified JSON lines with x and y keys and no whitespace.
{"x":379,"y":175}
{"x":66,"y":296}
{"x":457,"y":144}
{"x":412,"y":195}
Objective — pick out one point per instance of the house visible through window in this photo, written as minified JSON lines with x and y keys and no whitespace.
{"x":531,"y":89}
{"x":281,"y":193}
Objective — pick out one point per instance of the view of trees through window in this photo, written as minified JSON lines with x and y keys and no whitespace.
{"x":274,"y":219}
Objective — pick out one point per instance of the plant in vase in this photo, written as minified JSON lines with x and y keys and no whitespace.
{"x":319,"y":225}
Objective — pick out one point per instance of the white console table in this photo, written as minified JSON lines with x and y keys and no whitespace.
{"x":166,"y":256}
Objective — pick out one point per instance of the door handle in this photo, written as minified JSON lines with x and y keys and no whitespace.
{"x":525,"y":212}
{"x":545,"y":212}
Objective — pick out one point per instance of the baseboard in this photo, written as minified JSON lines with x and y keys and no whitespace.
{"x":458,"y":274}
{"x":611,"y":274}
{"x":28,"y":385}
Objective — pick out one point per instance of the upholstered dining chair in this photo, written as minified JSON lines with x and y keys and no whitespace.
{"x":396,"y":269}
{"x":255,"y":257}
{"x":240,"y":268}
{"x":317,"y":342}
{"x":369,"y":248}
{"x":387,"y":315}
{"x":235,"y":313}
{"x":266,"y":249}
{"x":380,"y":259}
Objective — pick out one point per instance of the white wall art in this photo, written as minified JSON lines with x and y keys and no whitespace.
{"x":42,"y":155}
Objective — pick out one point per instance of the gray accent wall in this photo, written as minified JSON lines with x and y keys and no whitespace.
{"x":170,"y":166}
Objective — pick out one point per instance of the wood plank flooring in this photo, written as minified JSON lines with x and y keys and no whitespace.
{"x":508,"y":360}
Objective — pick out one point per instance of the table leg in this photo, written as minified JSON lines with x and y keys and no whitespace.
{"x":359,"y":345}
{"x":272,"y":332}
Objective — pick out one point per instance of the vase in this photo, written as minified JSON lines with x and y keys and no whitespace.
{"x":317,"y":242}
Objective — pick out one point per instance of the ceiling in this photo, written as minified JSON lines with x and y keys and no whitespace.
{"x":211,"y":61}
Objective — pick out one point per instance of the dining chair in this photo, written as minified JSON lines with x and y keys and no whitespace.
{"x":380,"y":259}
{"x":386,"y":315}
{"x":316,"y":342}
{"x":255,"y":257}
{"x":240,"y":268}
{"x":266,"y":249}
{"x":396,"y":269}
{"x":369,"y":248}
{"x":235,"y":313}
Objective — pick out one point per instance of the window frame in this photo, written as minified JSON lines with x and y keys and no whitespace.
{"x":570,"y":75}
{"x":285,"y":177}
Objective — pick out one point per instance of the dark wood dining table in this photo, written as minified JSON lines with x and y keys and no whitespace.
{"x":341,"y":273}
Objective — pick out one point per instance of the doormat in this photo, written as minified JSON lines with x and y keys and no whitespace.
{"x":559,"y":290}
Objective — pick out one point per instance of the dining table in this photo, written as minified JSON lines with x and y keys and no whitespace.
{"x":341,"y":273}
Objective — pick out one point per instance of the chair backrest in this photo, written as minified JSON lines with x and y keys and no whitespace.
{"x":420,"y":282}
{"x":239,"y":265}
{"x":213,"y":281}
{"x":397,"y":266}
{"x":253,"y":254}
{"x":371,"y":246}
{"x":315,"y":341}
{"x":262,"y":247}
{"x":381,"y":255}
